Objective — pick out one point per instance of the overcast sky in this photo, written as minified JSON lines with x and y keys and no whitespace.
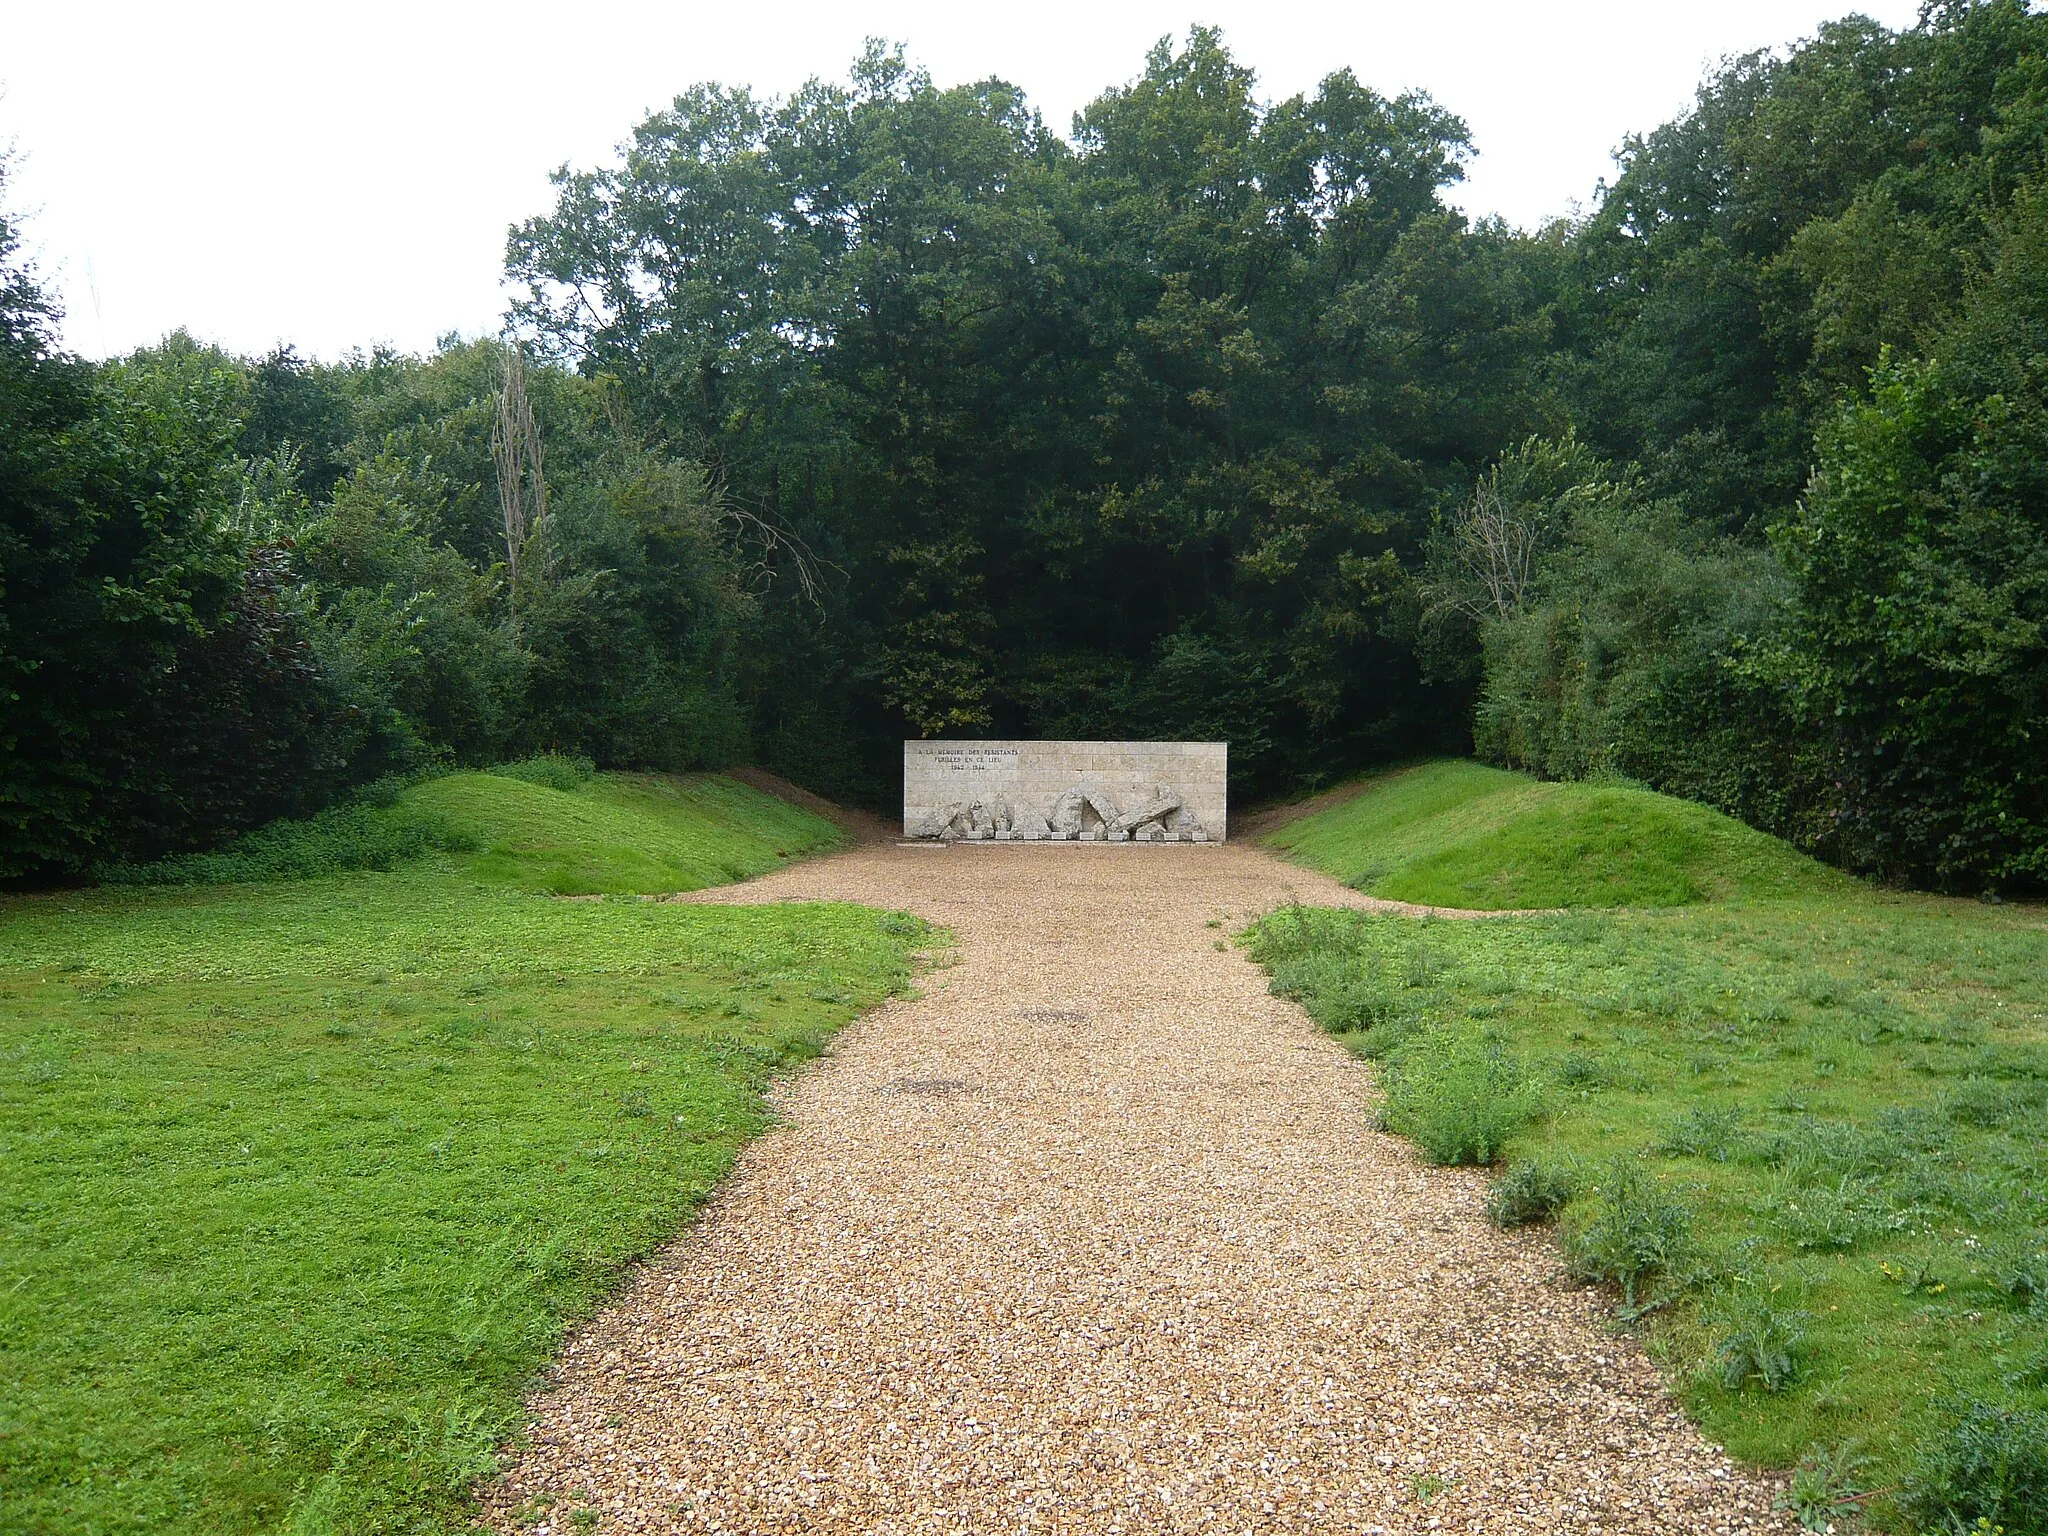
{"x":336,"y":175}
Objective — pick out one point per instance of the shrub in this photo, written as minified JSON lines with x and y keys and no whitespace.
{"x":1457,"y":1095}
{"x":1987,"y":1464}
{"x":1580,"y":1070}
{"x":550,"y":770}
{"x":1629,"y":1232}
{"x":1530,"y":1192}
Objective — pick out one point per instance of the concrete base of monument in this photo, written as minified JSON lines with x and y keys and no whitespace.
{"x":1110,"y":792}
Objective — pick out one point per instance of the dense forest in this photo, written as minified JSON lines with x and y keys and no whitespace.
{"x":887,"y":410}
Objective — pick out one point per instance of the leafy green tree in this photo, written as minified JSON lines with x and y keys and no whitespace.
{"x":1921,"y":558}
{"x":1064,"y":418}
{"x":1754,"y":255}
{"x":157,"y":687}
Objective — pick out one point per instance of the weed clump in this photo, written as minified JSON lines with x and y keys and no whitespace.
{"x":2018,"y":1271}
{"x":1759,"y":1344}
{"x":1457,"y":1095}
{"x":1349,"y":1000}
{"x":1827,"y":1486}
{"x":1321,"y":961}
{"x":1627,"y":1233}
{"x":1989,"y":1464}
{"x":1704,"y":1133}
{"x":1531,"y":1192}
{"x":550,"y":770}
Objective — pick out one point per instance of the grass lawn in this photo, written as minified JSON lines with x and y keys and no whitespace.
{"x":304,"y":1179}
{"x":1803,"y":1123}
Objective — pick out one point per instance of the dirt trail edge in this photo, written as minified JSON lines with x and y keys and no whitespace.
{"x":1096,"y":1236}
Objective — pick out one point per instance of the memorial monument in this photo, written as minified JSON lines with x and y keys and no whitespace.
{"x":1078,"y":791}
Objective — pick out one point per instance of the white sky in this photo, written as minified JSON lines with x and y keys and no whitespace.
{"x":340,"y":174}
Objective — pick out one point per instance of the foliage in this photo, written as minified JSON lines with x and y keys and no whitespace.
{"x":1826,"y":1486}
{"x":1354,"y":995}
{"x":1626,"y":1232}
{"x":1122,"y":436}
{"x":1456,"y":1094}
{"x":1828,"y":276}
{"x":1758,"y":1344}
{"x":308,"y":1178}
{"x":551,"y":770}
{"x":359,"y":835}
{"x":303,"y":642}
{"x":1755,"y":255}
{"x":156,"y":675}
{"x":882,"y":409}
{"x":1531,"y":1191}
{"x":1988,"y":1465}
{"x":1921,"y":557}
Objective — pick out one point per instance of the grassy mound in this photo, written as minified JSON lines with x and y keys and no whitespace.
{"x":620,"y":833}
{"x":306,"y":1177}
{"x":1459,"y":834}
{"x":544,"y":825}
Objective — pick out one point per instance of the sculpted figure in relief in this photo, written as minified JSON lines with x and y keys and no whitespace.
{"x":1019,"y":817}
{"x":1162,"y":804}
{"x":1071,"y":813}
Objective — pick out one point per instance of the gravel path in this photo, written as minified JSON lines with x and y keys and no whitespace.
{"x":1094,"y":1236}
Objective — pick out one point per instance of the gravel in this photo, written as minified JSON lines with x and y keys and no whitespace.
{"x":1095,"y":1235}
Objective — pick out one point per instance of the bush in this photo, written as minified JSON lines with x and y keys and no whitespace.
{"x":1628,"y":1232}
{"x":1917,"y":555}
{"x":1530,"y":1192}
{"x":550,"y":770}
{"x":1987,"y":1464}
{"x":1457,"y":1095}
{"x":1626,"y":658}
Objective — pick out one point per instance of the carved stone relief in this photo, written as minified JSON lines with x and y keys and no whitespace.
{"x":1086,"y":814}
{"x":1094,"y":791}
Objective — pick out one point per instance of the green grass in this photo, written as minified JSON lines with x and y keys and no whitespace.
{"x":624,"y":832}
{"x":1459,"y":834}
{"x":1841,"y":1093}
{"x":305,"y":1179}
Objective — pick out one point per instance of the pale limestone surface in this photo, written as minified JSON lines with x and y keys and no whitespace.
{"x":1096,"y":1235}
{"x":939,"y":775}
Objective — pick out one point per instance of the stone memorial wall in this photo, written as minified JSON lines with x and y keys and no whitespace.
{"x":1085,"y":791}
